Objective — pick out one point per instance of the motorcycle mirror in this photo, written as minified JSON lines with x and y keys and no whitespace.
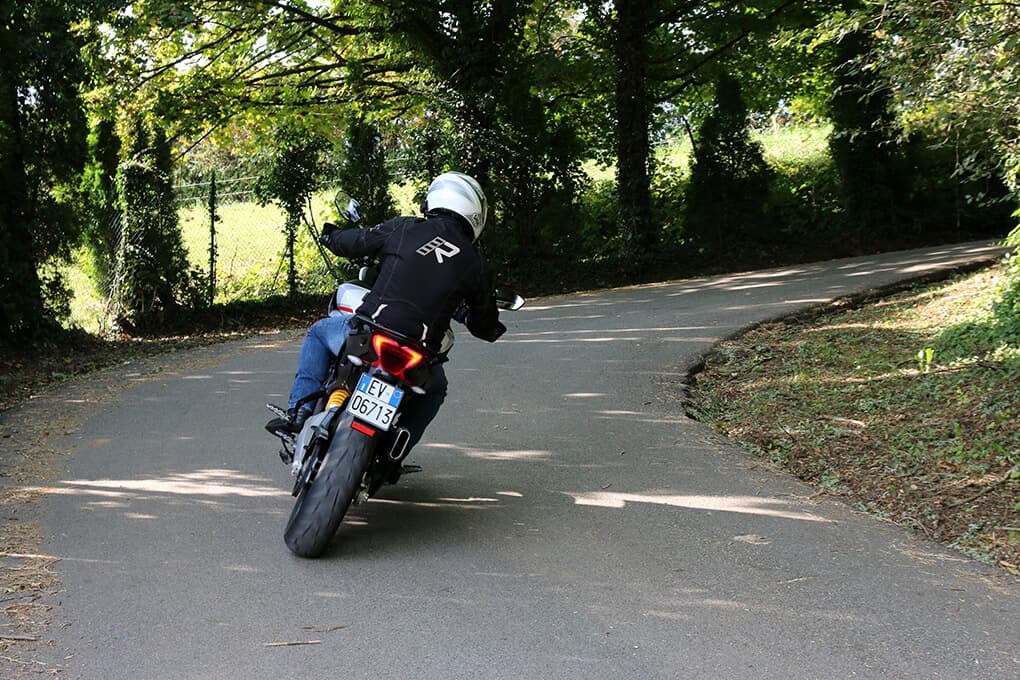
{"x":509,"y":299}
{"x":353,"y":211}
{"x":348,"y":207}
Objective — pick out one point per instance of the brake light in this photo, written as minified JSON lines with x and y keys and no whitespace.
{"x":395,"y":358}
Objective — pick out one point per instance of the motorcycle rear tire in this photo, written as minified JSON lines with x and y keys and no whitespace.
{"x":322,"y":504}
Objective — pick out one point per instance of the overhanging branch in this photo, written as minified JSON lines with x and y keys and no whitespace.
{"x":688,"y":75}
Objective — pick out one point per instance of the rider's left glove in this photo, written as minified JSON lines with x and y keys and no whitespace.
{"x":328,"y":230}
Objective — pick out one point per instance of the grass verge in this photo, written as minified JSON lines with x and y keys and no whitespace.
{"x":874,"y":404}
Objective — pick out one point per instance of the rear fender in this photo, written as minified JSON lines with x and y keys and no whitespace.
{"x":357,"y":440}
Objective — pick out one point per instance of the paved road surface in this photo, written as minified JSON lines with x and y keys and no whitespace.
{"x":570,"y":523}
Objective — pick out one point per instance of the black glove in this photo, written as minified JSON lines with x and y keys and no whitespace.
{"x":461,"y":314}
{"x":328,"y":229}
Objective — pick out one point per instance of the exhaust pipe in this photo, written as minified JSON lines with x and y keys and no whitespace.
{"x":401,"y":439}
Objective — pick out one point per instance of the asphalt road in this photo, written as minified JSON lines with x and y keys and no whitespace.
{"x":570,"y":522}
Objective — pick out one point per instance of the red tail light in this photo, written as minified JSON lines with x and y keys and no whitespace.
{"x":395,"y":358}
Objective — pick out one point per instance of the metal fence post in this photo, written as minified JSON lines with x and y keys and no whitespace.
{"x":213,"y":218}
{"x":291,"y":230}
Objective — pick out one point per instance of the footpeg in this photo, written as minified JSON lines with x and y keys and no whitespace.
{"x":287,"y":450}
{"x":286,"y":456}
{"x":396,"y":473}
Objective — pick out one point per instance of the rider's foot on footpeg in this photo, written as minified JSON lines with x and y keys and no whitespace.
{"x":292,"y":423}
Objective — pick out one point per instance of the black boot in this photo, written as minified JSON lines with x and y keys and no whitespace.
{"x":292,"y":424}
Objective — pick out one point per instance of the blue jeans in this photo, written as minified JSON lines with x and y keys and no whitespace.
{"x":323,"y":342}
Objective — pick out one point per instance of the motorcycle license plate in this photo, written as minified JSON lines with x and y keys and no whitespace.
{"x":375,"y":402}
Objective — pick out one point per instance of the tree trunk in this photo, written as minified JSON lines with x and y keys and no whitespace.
{"x":633,"y":117}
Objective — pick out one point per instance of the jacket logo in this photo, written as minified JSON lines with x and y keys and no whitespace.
{"x":441,"y":247}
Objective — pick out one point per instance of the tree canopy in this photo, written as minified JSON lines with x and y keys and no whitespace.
{"x":525,"y":95}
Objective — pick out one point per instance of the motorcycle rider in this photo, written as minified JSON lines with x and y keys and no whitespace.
{"x":429,"y":268}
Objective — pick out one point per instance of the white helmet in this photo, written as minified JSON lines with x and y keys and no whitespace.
{"x":458,"y":193}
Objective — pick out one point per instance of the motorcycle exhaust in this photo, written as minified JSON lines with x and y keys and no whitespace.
{"x":401,"y":439}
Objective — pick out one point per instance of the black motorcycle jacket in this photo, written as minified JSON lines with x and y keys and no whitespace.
{"x":428,"y":267}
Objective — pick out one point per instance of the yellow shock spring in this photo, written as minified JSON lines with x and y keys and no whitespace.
{"x":337,"y":398}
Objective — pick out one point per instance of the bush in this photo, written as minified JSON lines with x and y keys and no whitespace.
{"x":803,"y":204}
{"x":669,"y":188}
{"x":597,"y":235}
{"x":994,"y":328}
{"x":1006,"y":309}
{"x":945,"y":197}
{"x":152,"y":266}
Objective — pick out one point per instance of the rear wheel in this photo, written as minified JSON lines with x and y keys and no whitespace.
{"x":323,"y":502}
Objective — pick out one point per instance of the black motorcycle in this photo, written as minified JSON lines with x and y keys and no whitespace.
{"x":353,"y":443}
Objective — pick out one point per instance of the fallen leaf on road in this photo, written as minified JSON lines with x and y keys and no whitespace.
{"x":753,"y":539}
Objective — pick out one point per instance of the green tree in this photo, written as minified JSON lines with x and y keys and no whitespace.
{"x":952,"y":67}
{"x":101,"y":229}
{"x":153,"y":281}
{"x":362,"y":170}
{"x":489,"y":71}
{"x":729,"y":182}
{"x":661,"y":52}
{"x":954,"y":75}
{"x":494,"y":92}
{"x":865,"y":141}
{"x":923,"y":106}
{"x":202,"y":66}
{"x":295,"y":167}
{"x":42,"y":149}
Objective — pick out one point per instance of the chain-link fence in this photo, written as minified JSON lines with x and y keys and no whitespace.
{"x":236,"y":245}
{"x":240,"y":245}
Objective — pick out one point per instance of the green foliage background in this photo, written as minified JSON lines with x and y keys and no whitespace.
{"x":920,"y":100}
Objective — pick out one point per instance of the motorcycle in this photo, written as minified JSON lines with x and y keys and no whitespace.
{"x":352,"y":444}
